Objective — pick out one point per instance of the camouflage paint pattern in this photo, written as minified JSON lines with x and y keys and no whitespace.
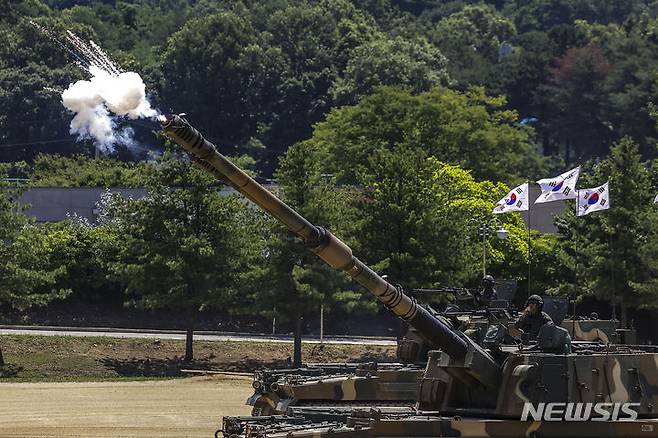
{"x":594,"y":330}
{"x":372,"y":385}
{"x":380,"y":385}
{"x":599,"y":330}
{"x":378,"y":388}
{"x":369,"y":384}
{"x":432,"y":425}
{"x":615,"y":377}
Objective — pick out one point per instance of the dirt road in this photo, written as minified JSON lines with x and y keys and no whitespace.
{"x":190,"y":407}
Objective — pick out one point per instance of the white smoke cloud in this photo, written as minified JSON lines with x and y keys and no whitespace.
{"x":98,"y":101}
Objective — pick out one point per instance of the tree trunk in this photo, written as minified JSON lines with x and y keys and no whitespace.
{"x":297,"y":341}
{"x":624,"y":315}
{"x":189,"y":334}
{"x":547,"y":148}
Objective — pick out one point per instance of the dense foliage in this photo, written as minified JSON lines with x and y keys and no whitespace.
{"x":257,"y":75}
{"x":182,"y":248}
{"x":397,"y":124}
{"x":612,"y":256}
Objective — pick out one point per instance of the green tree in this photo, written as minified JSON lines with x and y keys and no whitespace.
{"x":30,"y":266}
{"x":520,"y":74}
{"x":470,"y":129}
{"x":577,"y":99}
{"x":471,"y":40}
{"x":317,"y":40}
{"x":219,"y":70}
{"x":543,"y":15}
{"x":611,"y":254}
{"x":631,"y":81}
{"x":88,"y":253}
{"x":545,"y":269}
{"x":415,"y":64}
{"x":10,"y":223}
{"x":292,"y":279}
{"x":138,"y":28}
{"x":32,"y":271}
{"x":294,"y":282}
{"x":183,"y":246}
{"x":31,"y":73}
{"x":82,"y":171}
{"x":406,"y":215}
{"x":418,"y":221}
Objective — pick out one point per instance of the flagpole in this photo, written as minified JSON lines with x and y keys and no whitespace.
{"x":612,"y":266}
{"x":529,"y":246}
{"x":612,"y":276}
{"x":575,"y":258}
{"x":575,"y":277}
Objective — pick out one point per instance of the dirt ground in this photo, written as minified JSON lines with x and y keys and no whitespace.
{"x":70,"y":358}
{"x":190,"y":407}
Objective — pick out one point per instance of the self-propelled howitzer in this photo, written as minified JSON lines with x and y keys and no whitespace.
{"x":468,"y":360}
{"x":507,"y":390}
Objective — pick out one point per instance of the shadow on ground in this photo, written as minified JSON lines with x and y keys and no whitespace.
{"x":170,"y":367}
{"x":9,"y":370}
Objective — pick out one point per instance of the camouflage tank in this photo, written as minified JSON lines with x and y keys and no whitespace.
{"x":367,"y":384}
{"x":346,"y":384}
{"x":589,"y":328}
{"x":554,"y":387}
{"x":599,"y":330}
{"x":354,"y":385}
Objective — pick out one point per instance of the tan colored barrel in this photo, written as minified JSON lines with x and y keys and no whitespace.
{"x":329,"y":248}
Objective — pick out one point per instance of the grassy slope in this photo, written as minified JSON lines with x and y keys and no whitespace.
{"x":66,"y":358}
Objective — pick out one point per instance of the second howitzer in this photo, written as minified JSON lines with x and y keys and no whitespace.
{"x":468,"y":361}
{"x":344,"y":385}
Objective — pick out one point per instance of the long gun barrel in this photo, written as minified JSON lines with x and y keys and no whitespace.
{"x":329,"y":248}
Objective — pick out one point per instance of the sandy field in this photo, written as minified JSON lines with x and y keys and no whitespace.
{"x":190,"y":407}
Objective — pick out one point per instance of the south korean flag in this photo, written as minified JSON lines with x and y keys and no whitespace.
{"x":590,"y":200}
{"x":559,"y":188}
{"x":515,"y":200}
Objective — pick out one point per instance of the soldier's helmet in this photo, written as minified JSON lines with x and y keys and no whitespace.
{"x":488,"y":281}
{"x":535,"y":299}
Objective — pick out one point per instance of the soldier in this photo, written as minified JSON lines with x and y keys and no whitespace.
{"x":533,"y":317}
{"x":488,"y":293}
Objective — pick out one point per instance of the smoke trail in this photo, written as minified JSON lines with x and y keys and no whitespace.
{"x":99,"y":102}
{"x":94,"y":102}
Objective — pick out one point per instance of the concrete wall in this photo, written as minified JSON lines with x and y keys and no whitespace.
{"x":542,"y":215}
{"x":51,"y":204}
